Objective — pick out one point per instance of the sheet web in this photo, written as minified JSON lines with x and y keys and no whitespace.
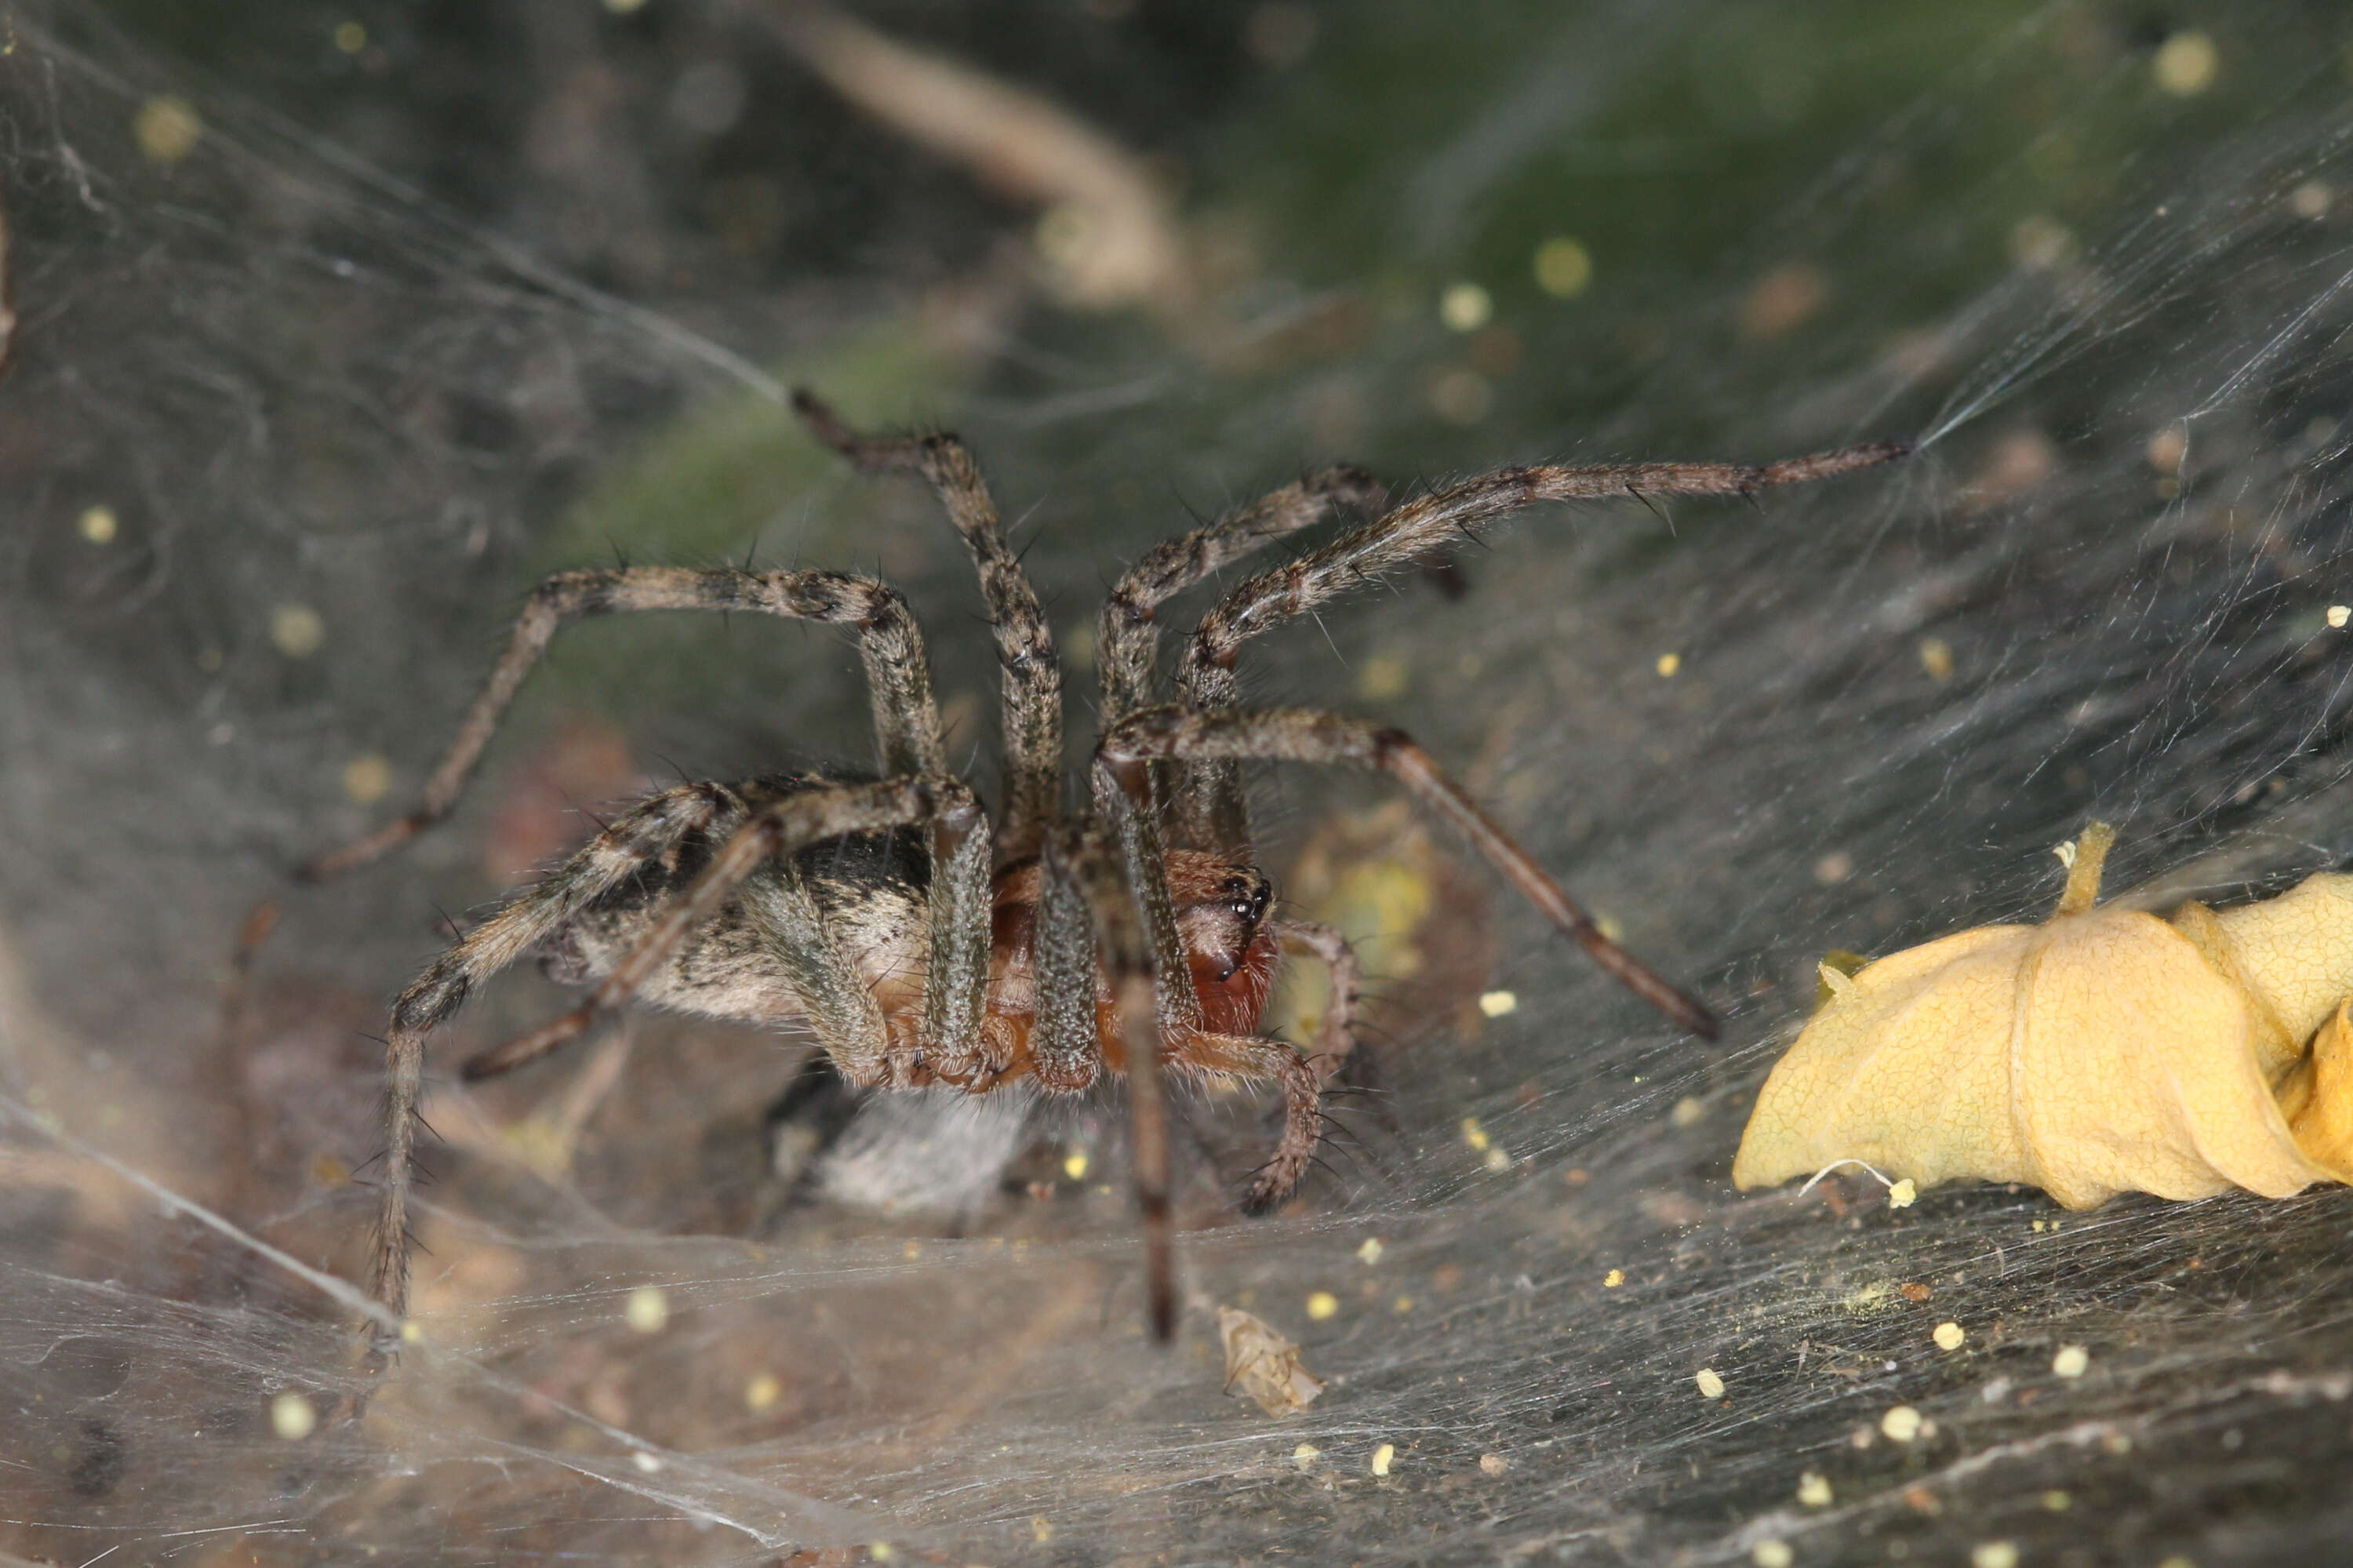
{"x":284,"y":444}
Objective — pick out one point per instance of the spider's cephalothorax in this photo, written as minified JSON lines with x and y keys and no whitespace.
{"x":920,"y":948}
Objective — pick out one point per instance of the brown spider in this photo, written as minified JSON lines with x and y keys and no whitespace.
{"x":1129,"y":938}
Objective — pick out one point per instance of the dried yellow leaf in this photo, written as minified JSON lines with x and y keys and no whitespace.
{"x":2104,"y":1051}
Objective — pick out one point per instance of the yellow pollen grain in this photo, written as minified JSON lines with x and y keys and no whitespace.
{"x":1563,"y":266}
{"x":2338,"y":614}
{"x":1042,"y":1529}
{"x":1402,"y":1304}
{"x":1074,"y":1164}
{"x":168,"y":129}
{"x":1382,"y":678}
{"x":1473,"y":1134}
{"x":1613,"y":1279}
{"x":1305,"y":1455}
{"x":97,"y":525}
{"x":1903,"y":1194}
{"x":297,"y":631}
{"x":1322,"y":1304}
{"x":2187,"y":64}
{"x":1688,"y":1112}
{"x":1902,"y":1423}
{"x":1465,"y":306}
{"x":1669,"y":663}
{"x":1937,"y":658}
{"x":647,"y":1309}
{"x":1814,"y":1489}
{"x":1370,"y":1252}
{"x":1501,"y":1004}
{"x":1993,"y":1554}
{"x":1711,"y":1385}
{"x":293,"y":1417}
{"x":1381,"y":1457}
{"x":367,"y":779}
{"x":762,"y":1392}
{"x":1497,"y":1159}
{"x":350,"y":37}
{"x":2072,"y":1362}
{"x":1772,"y":1554}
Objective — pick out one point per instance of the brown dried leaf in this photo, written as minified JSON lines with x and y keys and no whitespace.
{"x":2104,"y":1051}
{"x":1263,"y":1364}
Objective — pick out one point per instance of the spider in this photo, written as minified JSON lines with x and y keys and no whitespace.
{"x":1130,"y":937}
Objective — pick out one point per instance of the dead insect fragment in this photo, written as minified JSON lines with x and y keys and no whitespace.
{"x":1263,"y":1365}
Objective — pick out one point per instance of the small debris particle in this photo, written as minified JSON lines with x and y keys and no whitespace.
{"x":881,"y":1551}
{"x":2072,"y":1360}
{"x":1912,"y":1290}
{"x":2057,"y":1501}
{"x":2338,"y":614}
{"x":293,"y":1416}
{"x":1074,"y":1165}
{"x":1688,"y":1112}
{"x":297,"y":631}
{"x":1922,"y":1501}
{"x":367,"y":779}
{"x":650,"y":1463}
{"x":1613,"y":1279}
{"x":97,"y":526}
{"x":1814,"y":1489}
{"x":350,"y":37}
{"x":1669,"y":663}
{"x":1381,"y":1457}
{"x":647,"y":1309}
{"x":1772,"y":1554}
{"x":1382,"y":678}
{"x":1322,"y":1304}
{"x":1951,"y":1336}
{"x":1494,"y":1464}
{"x":1370,"y":1252}
{"x":2186,"y":66}
{"x":1832,"y":869}
{"x":1263,"y":1366}
{"x":1497,"y":1160}
{"x":1042,"y":1529}
{"x":912,"y":1251}
{"x":1903,"y":1194}
{"x":762,"y":1392}
{"x":1403,"y":1304}
{"x":168,"y":129}
{"x":2310,"y":199}
{"x":1937,"y":658}
{"x":1710,"y":1386}
{"x":1578,"y":1176}
{"x":1901,"y":1423}
{"x":2167,"y":448}
{"x":1465,"y":306}
{"x":1563,"y":266}
{"x":1462,"y":397}
{"x":1501,"y":1003}
{"x":412,"y":1333}
{"x":1473,"y":1134}
{"x":1993,"y":1554}
{"x":1305,"y":1455}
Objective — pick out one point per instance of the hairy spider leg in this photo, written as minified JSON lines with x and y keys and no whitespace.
{"x":898,"y":681}
{"x":1025,"y":646}
{"x":1213,"y":812}
{"x":1300,"y":736}
{"x":1092,"y":906}
{"x":646,"y":832}
{"x":1128,"y":641}
{"x":1032,"y":697}
{"x":1344,"y":986}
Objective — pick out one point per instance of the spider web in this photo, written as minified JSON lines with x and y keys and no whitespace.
{"x":284,"y":441}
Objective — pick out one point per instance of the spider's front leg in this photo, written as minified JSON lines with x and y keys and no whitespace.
{"x":1298,"y":736}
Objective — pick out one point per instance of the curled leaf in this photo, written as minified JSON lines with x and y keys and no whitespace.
{"x":2104,"y":1051}
{"x":1263,"y":1365}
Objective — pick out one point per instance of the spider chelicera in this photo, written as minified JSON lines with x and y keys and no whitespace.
{"x":1129,"y":938}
